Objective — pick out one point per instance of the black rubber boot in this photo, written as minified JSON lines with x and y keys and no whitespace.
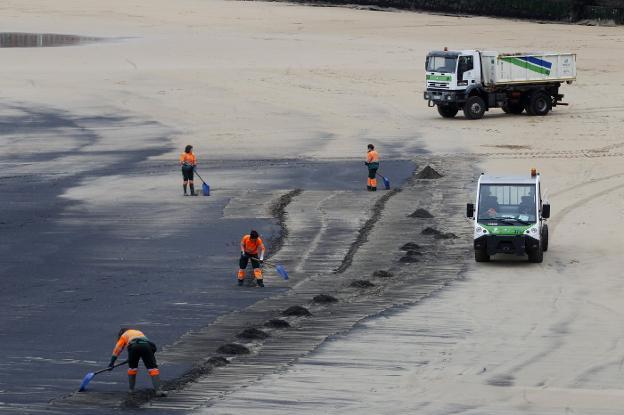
{"x":368,"y":188}
{"x":241,"y":282}
{"x":373,"y":189}
{"x":184,"y":187}
{"x":260,"y":283}
{"x":131,"y":383}
{"x":193,"y":190}
{"x":156,"y":384}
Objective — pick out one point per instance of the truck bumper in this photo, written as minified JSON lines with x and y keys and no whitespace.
{"x":443,"y":97}
{"x":506,"y":244}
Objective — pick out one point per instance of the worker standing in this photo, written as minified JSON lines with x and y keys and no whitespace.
{"x":250,"y":246}
{"x":188,"y":163}
{"x":139,"y":348}
{"x":372,"y":162}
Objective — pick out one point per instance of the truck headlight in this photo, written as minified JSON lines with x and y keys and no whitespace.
{"x":478,"y":229}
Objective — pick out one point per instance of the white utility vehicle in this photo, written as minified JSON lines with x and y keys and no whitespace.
{"x":509,"y":217}
{"x":475,"y":81}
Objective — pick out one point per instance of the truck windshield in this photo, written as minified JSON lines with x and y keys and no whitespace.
{"x":444,"y":64}
{"x":507,"y":203}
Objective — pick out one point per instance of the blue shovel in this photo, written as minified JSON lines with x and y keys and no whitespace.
{"x":385,"y":180}
{"x":91,"y":375}
{"x":279,"y":268}
{"x":205,"y":186}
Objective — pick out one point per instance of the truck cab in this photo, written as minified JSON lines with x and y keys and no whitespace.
{"x":449,"y":75}
{"x":509,"y":217}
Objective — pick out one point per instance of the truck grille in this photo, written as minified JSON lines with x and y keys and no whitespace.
{"x":442,"y":85}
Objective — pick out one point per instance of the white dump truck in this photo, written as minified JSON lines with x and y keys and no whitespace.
{"x":509,"y":217}
{"x":475,"y":81}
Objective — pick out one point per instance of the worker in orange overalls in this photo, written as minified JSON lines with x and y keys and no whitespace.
{"x":372,"y":162}
{"x":188,"y":163}
{"x":139,"y":347}
{"x":250,"y":246}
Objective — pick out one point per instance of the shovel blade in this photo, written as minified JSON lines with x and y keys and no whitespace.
{"x":86,"y":381}
{"x":282,"y":271}
{"x":386,"y":183}
{"x":206,"y":189}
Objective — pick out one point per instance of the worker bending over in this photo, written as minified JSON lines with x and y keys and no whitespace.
{"x":139,"y":347}
{"x":249,"y":246}
{"x":188,"y":163}
{"x":372,"y":162}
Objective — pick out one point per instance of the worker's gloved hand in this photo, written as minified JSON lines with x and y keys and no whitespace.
{"x":242,"y":253}
{"x":111,"y":365}
{"x":366,"y":163}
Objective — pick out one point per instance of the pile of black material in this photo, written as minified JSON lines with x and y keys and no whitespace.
{"x":252,"y":334}
{"x":361,"y":284}
{"x":410,"y":246}
{"x":382,"y":274}
{"x":324,"y":299}
{"x":420,"y":213}
{"x":296,"y":310}
{"x":276,"y":323}
{"x":428,"y":173}
{"x":233,"y":349}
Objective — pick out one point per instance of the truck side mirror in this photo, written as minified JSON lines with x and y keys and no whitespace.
{"x":470,"y":210}
{"x":546,"y":210}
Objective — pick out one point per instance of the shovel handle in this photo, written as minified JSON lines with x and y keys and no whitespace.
{"x":117,"y":365}
{"x":200,"y":178}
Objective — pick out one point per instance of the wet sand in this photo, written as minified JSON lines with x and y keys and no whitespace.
{"x":277,"y":97}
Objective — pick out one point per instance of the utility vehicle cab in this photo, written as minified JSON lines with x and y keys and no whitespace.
{"x":509,"y":217}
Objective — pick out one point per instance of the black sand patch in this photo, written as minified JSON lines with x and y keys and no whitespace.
{"x":233,"y":349}
{"x":278,"y":211}
{"x":361,"y":284}
{"x":501,"y":380}
{"x":428,"y":173}
{"x":252,"y":334}
{"x":410,"y":246}
{"x":276,"y":323}
{"x":410,"y":257}
{"x":420,"y":213}
{"x":382,"y":274}
{"x":324,"y":299}
{"x":296,"y":310}
{"x":430,"y":231}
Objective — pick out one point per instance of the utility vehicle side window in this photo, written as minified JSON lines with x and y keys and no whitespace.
{"x":465,"y":64}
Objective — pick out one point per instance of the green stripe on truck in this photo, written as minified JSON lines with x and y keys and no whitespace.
{"x":438,"y":78}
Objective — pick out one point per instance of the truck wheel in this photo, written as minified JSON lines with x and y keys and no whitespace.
{"x":481,"y":256}
{"x":537,"y":256}
{"x":544,"y":238}
{"x":539,"y":103}
{"x":448,"y":111}
{"x":474,"y":108}
{"x":513,"y":108}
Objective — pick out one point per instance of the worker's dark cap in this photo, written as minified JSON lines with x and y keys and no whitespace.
{"x":253,"y":234}
{"x":122,"y":331}
{"x":371,"y":146}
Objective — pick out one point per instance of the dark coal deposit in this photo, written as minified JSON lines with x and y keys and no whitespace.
{"x":428,"y":173}
{"x":233,"y":349}
{"x":276,"y":323}
{"x":296,"y":310}
{"x":361,"y":284}
{"x":410,"y":246}
{"x":324,"y":299}
{"x":252,"y":334}
{"x":382,"y":274}
{"x":420,"y":213}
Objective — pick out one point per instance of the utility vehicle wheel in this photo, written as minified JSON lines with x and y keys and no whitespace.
{"x":539,"y":103}
{"x":447,"y":111}
{"x":544,"y":238}
{"x":474,"y":108}
{"x":481,"y":256}
{"x":537,"y":256}
{"x":513,"y":108}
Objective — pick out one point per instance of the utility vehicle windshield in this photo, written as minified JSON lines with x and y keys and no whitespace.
{"x":441,"y":63}
{"x":507,"y":204}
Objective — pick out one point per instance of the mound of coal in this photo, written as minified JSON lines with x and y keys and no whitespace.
{"x":410,"y":257}
{"x":447,"y":235}
{"x":276,"y":323}
{"x":296,"y":310}
{"x":361,"y":284}
{"x":217,"y":361}
{"x":233,"y":348}
{"x":252,"y":334}
{"x":324,"y":299}
{"x":410,"y":246}
{"x":430,"y":231}
{"x":428,"y":173}
{"x":382,"y":274}
{"x":420,"y":213}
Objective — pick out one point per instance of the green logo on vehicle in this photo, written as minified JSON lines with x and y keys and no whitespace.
{"x":446,"y":78}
